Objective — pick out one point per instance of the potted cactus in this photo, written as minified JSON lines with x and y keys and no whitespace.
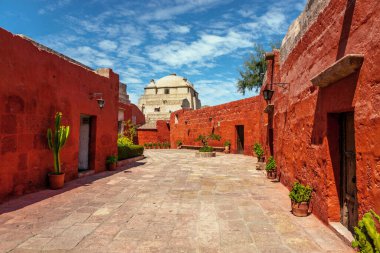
{"x":271,"y":168}
{"x":56,"y":140}
{"x":111,"y":162}
{"x":300,"y":196}
{"x":258,"y":150}
{"x":227,"y":145}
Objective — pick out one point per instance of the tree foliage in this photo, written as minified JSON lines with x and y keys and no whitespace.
{"x":252,"y":74}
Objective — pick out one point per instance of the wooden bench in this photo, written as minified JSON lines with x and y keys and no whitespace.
{"x":197,"y":147}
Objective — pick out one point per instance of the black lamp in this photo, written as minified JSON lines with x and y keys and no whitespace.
{"x":268,"y":94}
{"x":101,"y":102}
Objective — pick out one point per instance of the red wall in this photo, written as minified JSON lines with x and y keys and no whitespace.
{"x":132,"y":110}
{"x":305,"y":126}
{"x":34,"y":85}
{"x":159,"y":135}
{"x":222,"y":119}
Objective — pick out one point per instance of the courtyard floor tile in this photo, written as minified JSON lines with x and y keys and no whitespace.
{"x":168,"y":202}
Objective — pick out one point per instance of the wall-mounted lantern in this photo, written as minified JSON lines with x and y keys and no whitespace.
{"x":268,"y":94}
{"x":99,"y":98}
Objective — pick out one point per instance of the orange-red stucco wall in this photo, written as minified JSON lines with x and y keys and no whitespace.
{"x":220,"y":119}
{"x":305,"y":120}
{"x":160,"y":134}
{"x":34,"y":85}
{"x":132,"y":111}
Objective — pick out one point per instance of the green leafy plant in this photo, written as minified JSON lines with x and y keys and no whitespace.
{"x":111,"y":159}
{"x":367,"y":238}
{"x":271,"y":164}
{"x":179,"y":143}
{"x":150,"y":145}
{"x":204,"y":138}
{"x":300,"y":193}
{"x":258,"y":149}
{"x":155,"y":145}
{"x":206,"y":149}
{"x":123,"y":140}
{"x":57,"y":140}
{"x":227,"y":143}
{"x":160,"y":144}
{"x":125,"y":152}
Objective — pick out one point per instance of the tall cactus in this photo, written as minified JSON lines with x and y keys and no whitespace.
{"x":56,"y":141}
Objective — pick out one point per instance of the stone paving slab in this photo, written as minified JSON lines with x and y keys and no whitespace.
{"x":168,"y":202}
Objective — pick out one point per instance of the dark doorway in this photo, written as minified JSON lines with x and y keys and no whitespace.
{"x":348,"y":199}
{"x":240,"y":139}
{"x":84,"y":142}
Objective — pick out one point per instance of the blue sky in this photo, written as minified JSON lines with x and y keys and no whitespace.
{"x":204,"y":40}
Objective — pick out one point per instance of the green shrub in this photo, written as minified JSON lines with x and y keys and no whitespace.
{"x":300,"y":193}
{"x":129,"y":151}
{"x":367,"y":238}
{"x":111,"y":159}
{"x":271,"y":164}
{"x":258,"y":149}
{"x":227,"y":143}
{"x":124,"y":141}
{"x":206,"y":149}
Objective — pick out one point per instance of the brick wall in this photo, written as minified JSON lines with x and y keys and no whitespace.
{"x":35,"y":83}
{"x":222,"y":120}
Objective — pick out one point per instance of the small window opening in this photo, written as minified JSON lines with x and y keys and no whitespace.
{"x":157,"y":109}
{"x":167,"y":91}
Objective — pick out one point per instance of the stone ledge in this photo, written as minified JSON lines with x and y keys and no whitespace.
{"x":205,"y":154}
{"x":342,"y":232}
{"x":342,"y":68}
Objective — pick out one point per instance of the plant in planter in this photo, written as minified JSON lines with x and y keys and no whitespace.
{"x":300,"y":196}
{"x":271,"y":168}
{"x":367,"y":237}
{"x":258,"y":149}
{"x":155,"y":145}
{"x":56,"y":140}
{"x":204,"y":139}
{"x":227,"y":145}
{"x":150,"y":145}
{"x":179,"y":143}
{"x":160,"y":145}
{"x":111,"y":162}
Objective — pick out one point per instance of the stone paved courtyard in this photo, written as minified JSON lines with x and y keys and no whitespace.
{"x":168,"y":202}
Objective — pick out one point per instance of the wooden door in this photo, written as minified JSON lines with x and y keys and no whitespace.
{"x":349,"y":203}
{"x":240,"y":139}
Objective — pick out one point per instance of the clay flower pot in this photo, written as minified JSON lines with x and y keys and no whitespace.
{"x":271,"y":174}
{"x":111,"y":166}
{"x":261,"y":159}
{"x":300,"y":209}
{"x":226,"y":149}
{"x":56,"y":181}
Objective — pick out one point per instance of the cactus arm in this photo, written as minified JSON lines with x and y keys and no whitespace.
{"x":49,"y":137}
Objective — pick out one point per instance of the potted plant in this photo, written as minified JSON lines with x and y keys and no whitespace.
{"x":258,"y":149}
{"x":111,"y":162}
{"x":56,"y":140}
{"x":146,"y":145}
{"x":150,"y":145}
{"x":300,"y":196}
{"x":227,"y":145}
{"x":155,"y":145}
{"x":160,"y":145}
{"x":367,"y":233}
{"x":271,"y":168}
{"x":179,"y":144}
{"x":206,"y":150}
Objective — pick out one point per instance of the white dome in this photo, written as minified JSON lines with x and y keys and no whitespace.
{"x":173,"y":81}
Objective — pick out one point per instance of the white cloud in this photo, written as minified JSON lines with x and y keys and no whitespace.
{"x":206,"y":48}
{"x":53,"y":6}
{"x":107,"y":45}
{"x":181,"y":7}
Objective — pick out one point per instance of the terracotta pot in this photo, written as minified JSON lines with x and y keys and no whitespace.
{"x":300,"y":209}
{"x":56,"y":181}
{"x":227,"y":149}
{"x":261,"y":159}
{"x":271,"y":174}
{"x":111,"y":166}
